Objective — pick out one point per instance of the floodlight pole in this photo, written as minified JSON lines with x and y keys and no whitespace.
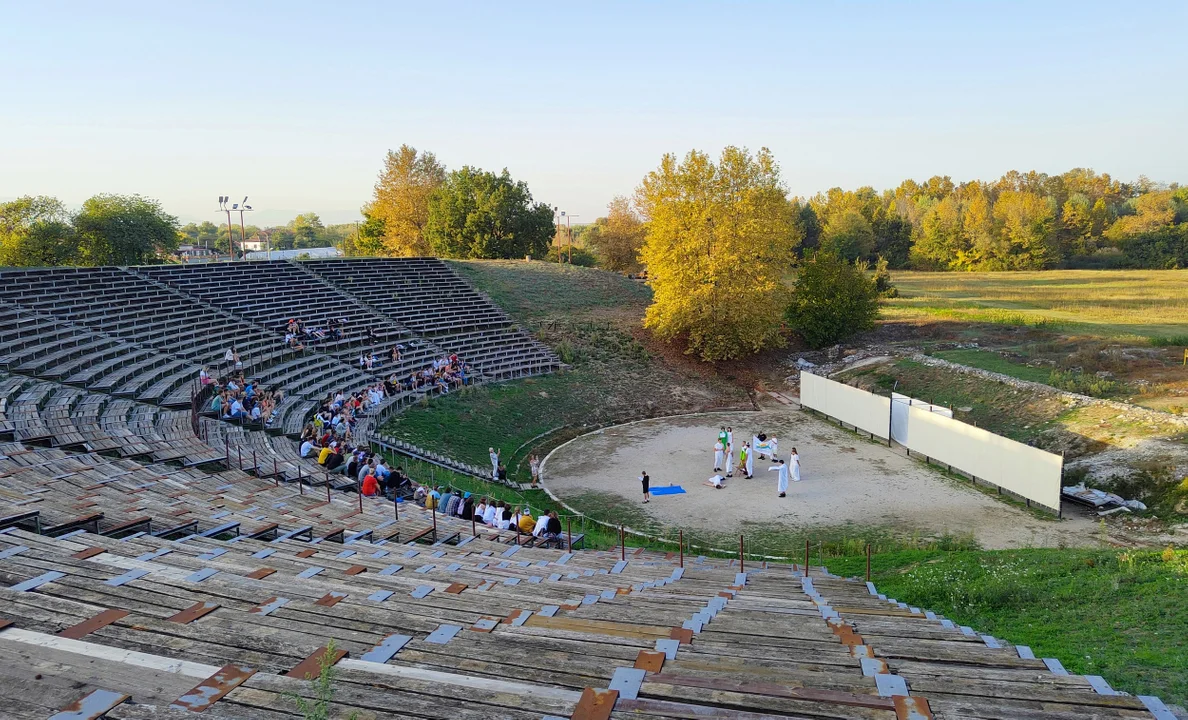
{"x":242,"y":232}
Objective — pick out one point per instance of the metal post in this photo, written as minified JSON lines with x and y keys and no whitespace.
{"x":255,"y":465}
{"x":473,"y":531}
{"x":239,"y":454}
{"x":682,"y":548}
{"x":227,"y":449}
{"x":327,"y":488}
{"x":569,"y":533}
{"x":517,"y":534}
{"x":395,"y":508}
{"x":806,"y":553}
{"x":868,"y":562}
{"x":360,"y":500}
{"x":435,"y":522}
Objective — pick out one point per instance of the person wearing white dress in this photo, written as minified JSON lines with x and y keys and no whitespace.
{"x":782,"y":469}
{"x":494,"y":463}
{"x":749,"y":462}
{"x":718,"y":449}
{"x":795,"y":460}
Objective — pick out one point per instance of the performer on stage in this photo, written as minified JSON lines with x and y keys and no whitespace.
{"x":746,"y":461}
{"x":782,"y":469}
{"x":718,"y":448}
{"x":795,"y":460}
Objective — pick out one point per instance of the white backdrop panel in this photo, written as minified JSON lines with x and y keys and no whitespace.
{"x":1025,"y":471}
{"x":864,"y":410}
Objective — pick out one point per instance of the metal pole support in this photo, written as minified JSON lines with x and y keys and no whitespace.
{"x":741,"y":561}
{"x":622,"y":544}
{"x":868,"y":562}
{"x":682,"y":541}
{"x":569,"y":533}
{"x":806,"y":555}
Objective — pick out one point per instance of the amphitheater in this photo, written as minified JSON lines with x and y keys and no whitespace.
{"x":157,"y":562}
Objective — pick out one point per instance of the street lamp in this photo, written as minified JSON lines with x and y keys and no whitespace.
{"x":568,"y":231}
{"x":224,"y":207}
{"x":242,"y":206}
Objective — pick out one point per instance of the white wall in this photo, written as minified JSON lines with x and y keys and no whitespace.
{"x":864,"y":410}
{"x":928,"y":430}
{"x":1026,"y":471}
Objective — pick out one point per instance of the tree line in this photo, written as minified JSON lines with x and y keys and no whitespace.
{"x":304,"y":231}
{"x":419,"y":208}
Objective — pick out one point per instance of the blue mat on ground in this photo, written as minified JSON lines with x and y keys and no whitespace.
{"x":669,"y":490}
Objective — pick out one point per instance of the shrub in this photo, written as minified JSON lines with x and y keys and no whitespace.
{"x":833,"y":300}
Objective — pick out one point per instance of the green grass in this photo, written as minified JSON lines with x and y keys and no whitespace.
{"x":1120,"y":615}
{"x":1103,"y":303}
{"x":993,"y":362}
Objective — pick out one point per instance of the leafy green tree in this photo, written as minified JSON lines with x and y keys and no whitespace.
{"x":833,"y":300}
{"x":36,"y":232}
{"x":943,"y":236}
{"x":849,"y":235}
{"x":892,"y":239}
{"x":401,"y":201}
{"x":478,"y":214}
{"x":808,"y":225}
{"x":124,"y":230}
{"x":308,"y":231}
{"x":720,"y":238}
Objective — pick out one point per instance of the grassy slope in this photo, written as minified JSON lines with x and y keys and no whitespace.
{"x":1102,"y":303}
{"x":591,"y":318}
{"x":1100,"y":612}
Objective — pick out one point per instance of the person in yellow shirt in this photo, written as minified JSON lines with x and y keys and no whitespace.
{"x":325,"y":453}
{"x":527,"y":524}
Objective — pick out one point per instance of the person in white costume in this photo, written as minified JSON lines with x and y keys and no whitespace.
{"x":715,"y":481}
{"x":494,"y":463}
{"x":718,"y":449}
{"x":746,"y":459}
{"x":729,"y":462}
{"x":782,"y":469}
{"x":795,"y":460}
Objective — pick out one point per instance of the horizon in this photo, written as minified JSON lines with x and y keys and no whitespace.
{"x":579,"y":102}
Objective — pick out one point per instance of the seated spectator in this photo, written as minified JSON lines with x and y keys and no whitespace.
{"x":450,"y":507}
{"x":489,"y":513}
{"x":370,"y":486}
{"x":466,"y":507}
{"x":204,"y":377}
{"x":541,"y":524}
{"x":502,"y":473}
{"x":334,"y":461}
{"x":218,"y":402}
{"x":420,"y":496}
{"x":236,"y":412}
{"x":527,"y":524}
{"x":503,"y":516}
{"x":553,"y":529}
{"x":480,"y":509}
{"x":308,"y":447}
{"x":325,"y":453}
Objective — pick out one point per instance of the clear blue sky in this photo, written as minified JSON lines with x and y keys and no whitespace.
{"x":295,"y":103}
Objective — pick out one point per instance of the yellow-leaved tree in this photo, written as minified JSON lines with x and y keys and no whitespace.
{"x":400,"y":207}
{"x":720,"y":241}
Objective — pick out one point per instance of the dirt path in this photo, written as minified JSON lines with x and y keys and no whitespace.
{"x":847,"y":481}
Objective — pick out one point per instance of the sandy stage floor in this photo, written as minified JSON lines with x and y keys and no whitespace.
{"x":846,"y":480}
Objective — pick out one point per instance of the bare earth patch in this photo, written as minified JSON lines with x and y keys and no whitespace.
{"x":847,"y":480}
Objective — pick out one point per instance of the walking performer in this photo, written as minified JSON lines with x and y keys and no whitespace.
{"x":723,"y":436}
{"x":746,"y":461}
{"x":783,"y":471}
{"x":729,"y":462}
{"x":494,"y":463}
{"x":718,"y":448}
{"x":645,"y":481}
{"x":730,"y":439}
{"x":795,"y":460}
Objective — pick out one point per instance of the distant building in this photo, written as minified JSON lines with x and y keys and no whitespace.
{"x":319,"y":252}
{"x":188,"y":252}
{"x":254,"y":244}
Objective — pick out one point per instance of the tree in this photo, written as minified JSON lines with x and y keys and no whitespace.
{"x":36,"y":232}
{"x":618,"y":238}
{"x":478,"y":214}
{"x":942,"y":238}
{"x":892,"y":239}
{"x":124,"y":230}
{"x":1028,"y":224}
{"x":850,"y":235}
{"x":307,"y":231}
{"x":719,"y":240}
{"x":833,"y":300}
{"x":401,"y":200}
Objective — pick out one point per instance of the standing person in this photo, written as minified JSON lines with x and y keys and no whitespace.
{"x":718,"y":448}
{"x":783,"y":471}
{"x":645,"y":481}
{"x":730,"y":440}
{"x":494,"y":463}
{"x":534,"y":466}
{"x":229,"y":360}
{"x":795,"y":460}
{"x":744,"y":460}
{"x":723,"y":436}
